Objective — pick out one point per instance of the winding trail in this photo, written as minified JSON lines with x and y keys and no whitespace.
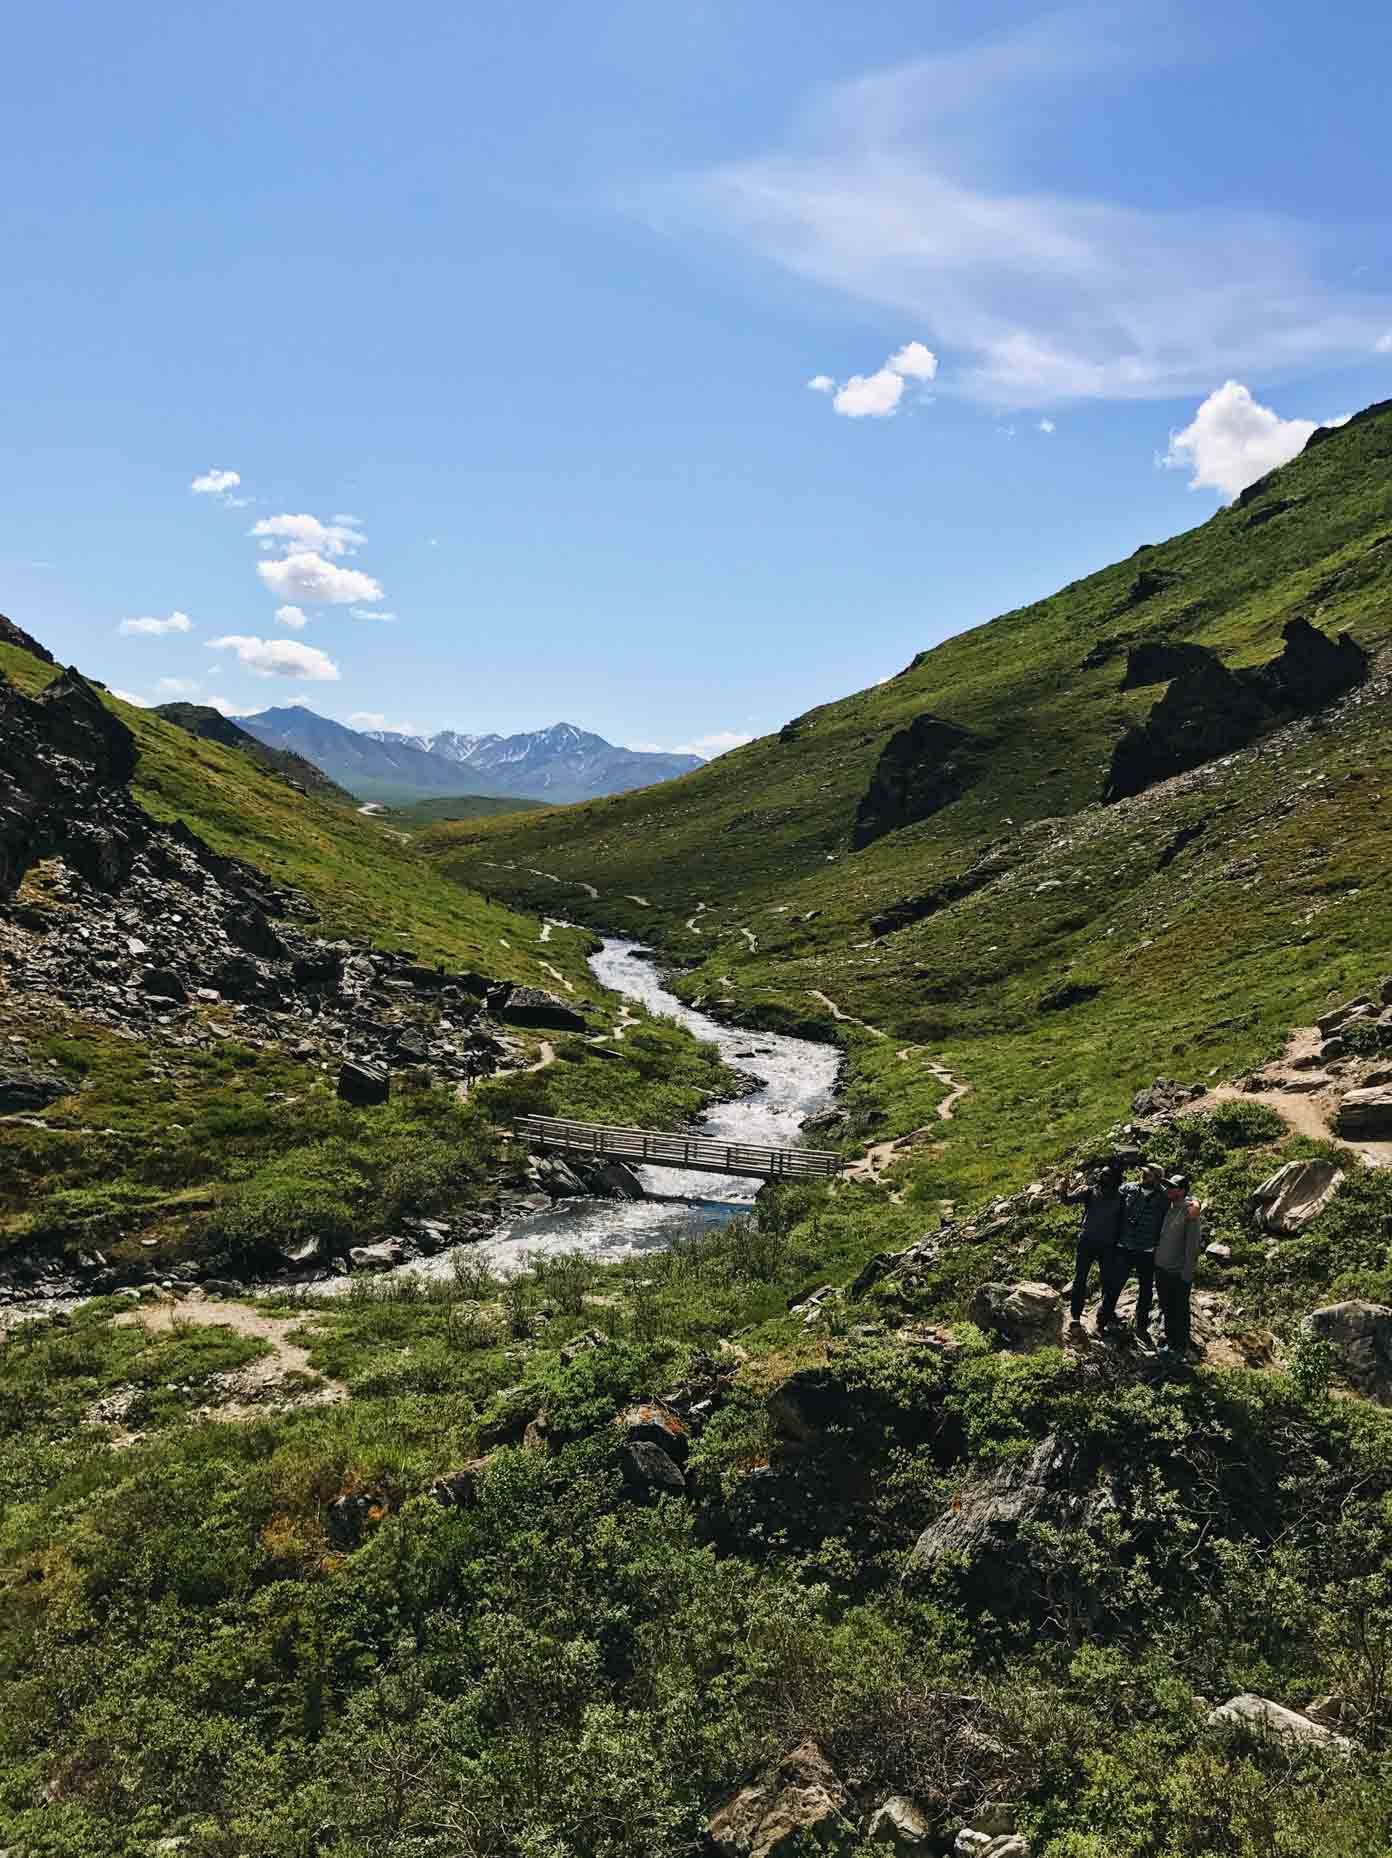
{"x":1307,"y":1102}
{"x":556,"y":975}
{"x":845,"y":1019}
{"x":258,"y":1377}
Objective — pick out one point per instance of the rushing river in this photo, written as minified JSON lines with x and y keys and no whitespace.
{"x":796,"y":1079}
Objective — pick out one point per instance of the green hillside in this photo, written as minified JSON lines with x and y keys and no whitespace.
{"x":462,"y":806}
{"x":1185,"y":967}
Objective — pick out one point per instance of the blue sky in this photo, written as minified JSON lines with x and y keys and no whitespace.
{"x":504,"y":321}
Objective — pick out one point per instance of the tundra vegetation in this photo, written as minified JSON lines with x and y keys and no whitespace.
{"x":888,"y":1539}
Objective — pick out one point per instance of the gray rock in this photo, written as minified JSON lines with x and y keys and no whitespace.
{"x":533,"y":1006}
{"x":363,"y":1084}
{"x":796,"y":1804}
{"x":28,"y":1090}
{"x":1296,"y":1194}
{"x":1275,"y":1722}
{"x":385,"y":1255}
{"x":654,"y":1423}
{"x":899,"y":1824}
{"x":986,"y":1516}
{"x":1366,"y":1113}
{"x":163,"y":982}
{"x":1024,"y":1316}
{"x":649,"y":1471}
{"x":1360,"y":1334}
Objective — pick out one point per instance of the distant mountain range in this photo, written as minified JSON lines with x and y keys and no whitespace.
{"x":560,"y":764}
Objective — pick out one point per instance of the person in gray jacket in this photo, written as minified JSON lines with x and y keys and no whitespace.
{"x":1176,"y":1260}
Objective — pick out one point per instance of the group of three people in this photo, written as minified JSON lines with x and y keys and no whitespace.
{"x":1149,"y":1229}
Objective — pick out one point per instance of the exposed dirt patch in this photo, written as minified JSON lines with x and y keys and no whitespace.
{"x":261,"y":1383}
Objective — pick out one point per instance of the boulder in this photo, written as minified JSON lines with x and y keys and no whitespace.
{"x":1164,"y":1098}
{"x":1276,"y":1723}
{"x":363,"y":1084}
{"x":805,"y":1405}
{"x":385,"y":1255}
{"x":1024,"y":1316}
{"x":648,"y":1471}
{"x":985,"y":1518}
{"x":1331,"y":1021}
{"x":795,"y":1805}
{"x":1360,"y":1335}
{"x":1366,"y":1113}
{"x":654,"y":1423}
{"x":164,"y":983}
{"x":900,"y":1825}
{"x":1296,"y":1194}
{"x":29,"y":1090}
{"x":533,"y":1006}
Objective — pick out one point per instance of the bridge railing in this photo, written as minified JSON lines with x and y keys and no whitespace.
{"x":677,"y":1151}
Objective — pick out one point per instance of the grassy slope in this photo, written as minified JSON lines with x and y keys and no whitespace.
{"x":463,"y":806}
{"x":193,"y":1156}
{"x":1200,"y":967}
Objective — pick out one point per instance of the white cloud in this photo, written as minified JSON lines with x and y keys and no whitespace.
{"x":279,"y":657}
{"x":877,"y":395}
{"x":916,"y":189}
{"x":129,"y":696}
{"x":178,"y":686}
{"x":153,"y":628}
{"x":1233,"y":440}
{"x":1047,"y":425}
{"x":305,"y":576}
{"x":223,"y":706}
{"x":375,"y":719}
{"x":870,"y":396}
{"x":362,"y":612}
{"x":292,"y":534}
{"x":215,"y":483}
{"x":707,"y":746}
{"x":293,"y":617}
{"x":914,"y":362}
{"x":1383,"y":345}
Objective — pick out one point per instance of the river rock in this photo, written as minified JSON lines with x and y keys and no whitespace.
{"x":798,"y":1803}
{"x":1275,"y":1722}
{"x":1296,"y":1194}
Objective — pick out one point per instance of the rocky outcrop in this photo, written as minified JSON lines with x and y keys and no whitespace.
{"x":29,"y":1090}
{"x":798,"y":1804}
{"x":534,"y":1007}
{"x":899,"y":1824}
{"x":363,"y":1084}
{"x":1209,"y":710}
{"x":1274,"y":1722}
{"x":1367,"y":1113}
{"x":1157,"y":661}
{"x":11,"y":634}
{"x":921,"y":770}
{"x":1025,"y":1316}
{"x":985,"y":1519}
{"x":1359,"y":1335}
{"x":1296,"y":1194}
{"x":992,"y":864}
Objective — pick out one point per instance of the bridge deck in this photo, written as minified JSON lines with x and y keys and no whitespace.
{"x":650,"y":1147}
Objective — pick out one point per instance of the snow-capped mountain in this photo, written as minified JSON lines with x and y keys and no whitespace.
{"x":560,"y":764}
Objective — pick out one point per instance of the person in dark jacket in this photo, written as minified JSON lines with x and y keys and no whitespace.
{"x":1176,"y":1260}
{"x":1097,"y":1233}
{"x":1144,"y":1204}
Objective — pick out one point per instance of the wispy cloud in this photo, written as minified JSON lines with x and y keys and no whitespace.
{"x":902,"y":188}
{"x":278,"y":657}
{"x":177,"y":686}
{"x":382,"y":619}
{"x":154,"y":628}
{"x":718,"y":742}
{"x":219,"y":484}
{"x":1047,"y":425}
{"x":129,"y":696}
{"x":376,"y":719}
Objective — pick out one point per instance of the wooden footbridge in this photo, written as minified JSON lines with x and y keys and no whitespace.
{"x":647,"y":1147}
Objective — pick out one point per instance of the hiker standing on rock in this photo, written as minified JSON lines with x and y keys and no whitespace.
{"x":1144,"y":1204}
{"x":1097,"y":1233}
{"x":1176,"y":1259}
